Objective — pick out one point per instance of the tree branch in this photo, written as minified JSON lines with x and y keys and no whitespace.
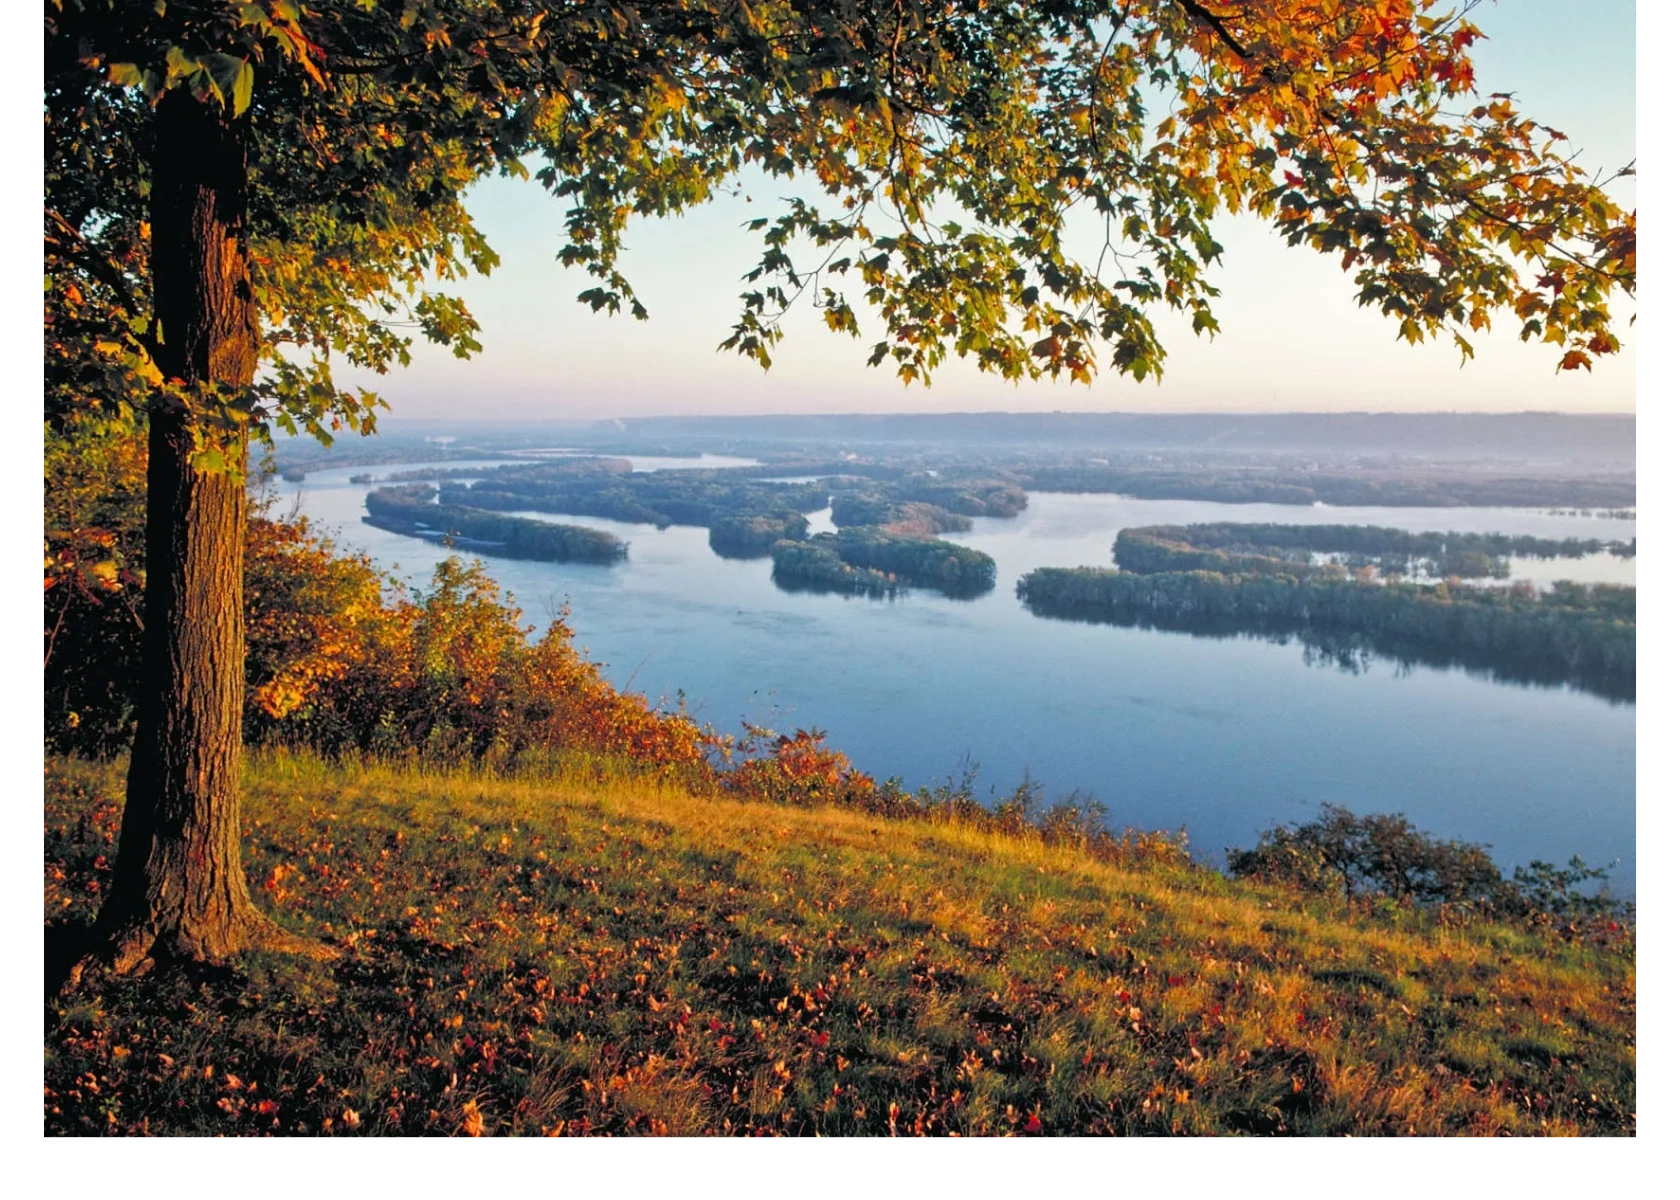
{"x":1217,"y":24}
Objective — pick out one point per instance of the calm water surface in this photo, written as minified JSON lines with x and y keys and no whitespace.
{"x":1220,"y":736}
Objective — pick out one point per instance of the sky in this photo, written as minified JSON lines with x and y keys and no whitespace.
{"x":1292,"y":337}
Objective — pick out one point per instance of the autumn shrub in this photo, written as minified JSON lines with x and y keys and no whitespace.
{"x":564,"y":701}
{"x":317,"y":622}
{"x":1080,"y":822}
{"x":766,"y":766}
{"x":447,"y":675}
{"x":1552,"y":897}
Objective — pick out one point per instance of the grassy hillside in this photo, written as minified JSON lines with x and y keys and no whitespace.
{"x":592,"y":954}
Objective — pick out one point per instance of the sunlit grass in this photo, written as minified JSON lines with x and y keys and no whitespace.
{"x":591,"y":952}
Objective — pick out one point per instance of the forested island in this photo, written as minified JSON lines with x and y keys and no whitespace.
{"x":877,"y":563}
{"x":1580,"y":634}
{"x":872,"y":509}
{"x":816,"y":566}
{"x":919,"y":503}
{"x":887,"y":539}
{"x":1289,"y":549}
{"x":408,"y":509}
{"x":747,"y":515}
{"x":980,"y":494}
{"x":754,"y":536}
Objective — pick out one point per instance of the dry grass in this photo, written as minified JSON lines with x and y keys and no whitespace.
{"x":594,"y":954}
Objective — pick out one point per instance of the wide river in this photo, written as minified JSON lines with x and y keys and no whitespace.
{"x":1220,"y":736}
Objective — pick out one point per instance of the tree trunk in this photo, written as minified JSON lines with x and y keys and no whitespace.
{"x":178,"y":886}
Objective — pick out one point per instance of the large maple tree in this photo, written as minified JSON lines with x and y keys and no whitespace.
{"x":240,"y":195}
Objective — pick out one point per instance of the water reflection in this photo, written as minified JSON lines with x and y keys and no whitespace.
{"x":1355,"y":652}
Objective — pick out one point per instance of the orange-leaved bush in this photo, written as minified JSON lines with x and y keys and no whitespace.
{"x":312,"y":618}
{"x":793,"y":770}
{"x":447,"y":675}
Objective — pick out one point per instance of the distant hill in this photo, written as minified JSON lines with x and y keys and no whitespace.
{"x":1550,"y":444}
{"x":1561,"y":438}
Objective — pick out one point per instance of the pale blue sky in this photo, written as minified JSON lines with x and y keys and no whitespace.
{"x":1292,"y":338}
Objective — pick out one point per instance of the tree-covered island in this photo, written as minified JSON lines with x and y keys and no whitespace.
{"x":875,"y":562}
{"x":1299,"y":549}
{"x":1580,"y":634}
{"x":409,"y":509}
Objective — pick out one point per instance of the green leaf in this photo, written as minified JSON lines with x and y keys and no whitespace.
{"x":242,"y":83}
{"x":227,"y":72}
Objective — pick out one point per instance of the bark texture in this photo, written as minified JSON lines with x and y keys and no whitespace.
{"x":179,"y":886}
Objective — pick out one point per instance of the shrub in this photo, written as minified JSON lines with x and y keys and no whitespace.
{"x":1384,"y":855}
{"x":450,"y":676}
{"x":1554,"y":892}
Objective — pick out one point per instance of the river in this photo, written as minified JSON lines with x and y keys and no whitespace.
{"x":1219,"y":736}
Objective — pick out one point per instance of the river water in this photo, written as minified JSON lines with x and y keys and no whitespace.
{"x":1220,"y":736}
